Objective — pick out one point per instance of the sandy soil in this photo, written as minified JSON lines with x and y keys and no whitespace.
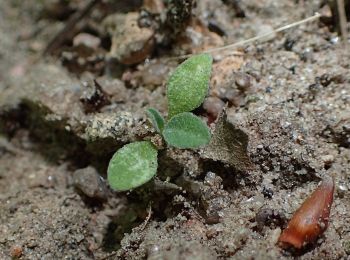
{"x":288,"y":111}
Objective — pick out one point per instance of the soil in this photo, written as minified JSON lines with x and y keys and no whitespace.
{"x":67,"y":105}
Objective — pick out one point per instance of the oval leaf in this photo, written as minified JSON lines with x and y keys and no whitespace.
{"x":188,"y":85}
{"x":156,"y":119}
{"x":132,"y":165}
{"x":186,"y":130}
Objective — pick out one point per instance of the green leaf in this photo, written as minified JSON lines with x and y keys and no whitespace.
{"x":186,"y":130}
{"x":156,"y":119}
{"x":132,"y":165}
{"x":188,"y":85}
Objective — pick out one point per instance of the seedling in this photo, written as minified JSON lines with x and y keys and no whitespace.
{"x":136,"y":163}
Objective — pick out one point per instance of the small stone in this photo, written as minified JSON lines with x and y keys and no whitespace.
{"x":32,"y":243}
{"x":266,"y":31}
{"x":307,"y":54}
{"x":342,"y":189}
{"x":212,"y":180}
{"x":213,"y":231}
{"x":153,"y":251}
{"x":213,"y":199}
{"x":273,"y":236}
{"x":87,"y":40}
{"x":90,"y":183}
{"x":79,"y":238}
{"x":327,"y":160}
{"x":269,"y":217}
{"x":154,"y":6}
{"x":149,"y":75}
{"x":16,"y":251}
{"x":268,"y":193}
{"x":178,"y":15}
{"x":131,"y":44}
{"x":254,"y":202}
{"x":41,"y":178}
{"x":213,"y":106}
{"x":346,"y":245}
{"x":158,"y":141}
{"x":242,"y":81}
{"x":94,"y":97}
{"x":288,"y":44}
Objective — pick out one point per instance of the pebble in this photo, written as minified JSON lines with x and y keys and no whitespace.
{"x":213,"y":105}
{"x":342,"y":189}
{"x":87,"y":40}
{"x":327,"y":159}
{"x":16,"y":251}
{"x":42,"y":178}
{"x":274,"y":235}
{"x":153,"y":251}
{"x":131,"y":44}
{"x":266,"y":31}
{"x":242,"y":81}
{"x":259,"y":147}
{"x":94,"y":97}
{"x":269,"y":217}
{"x":90,"y":183}
{"x":154,"y":6}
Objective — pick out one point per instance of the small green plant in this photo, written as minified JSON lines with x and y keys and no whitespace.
{"x":136,"y":163}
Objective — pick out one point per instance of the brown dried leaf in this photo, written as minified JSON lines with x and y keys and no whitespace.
{"x":228,"y":145}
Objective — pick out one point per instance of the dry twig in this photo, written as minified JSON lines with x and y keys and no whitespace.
{"x":255,"y":38}
{"x":342,"y":20}
{"x":57,"y":41}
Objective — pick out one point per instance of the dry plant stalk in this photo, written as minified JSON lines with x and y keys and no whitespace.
{"x":342,"y":20}
{"x":253,"y":39}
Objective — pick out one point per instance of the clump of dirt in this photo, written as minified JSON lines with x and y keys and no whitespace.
{"x":278,"y":108}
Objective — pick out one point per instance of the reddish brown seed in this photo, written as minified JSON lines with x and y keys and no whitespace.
{"x":311,"y":219}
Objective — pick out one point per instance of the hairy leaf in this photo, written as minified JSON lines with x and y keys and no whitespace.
{"x":188,"y":85}
{"x":132,"y":165}
{"x":186,"y":130}
{"x":156,"y":119}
